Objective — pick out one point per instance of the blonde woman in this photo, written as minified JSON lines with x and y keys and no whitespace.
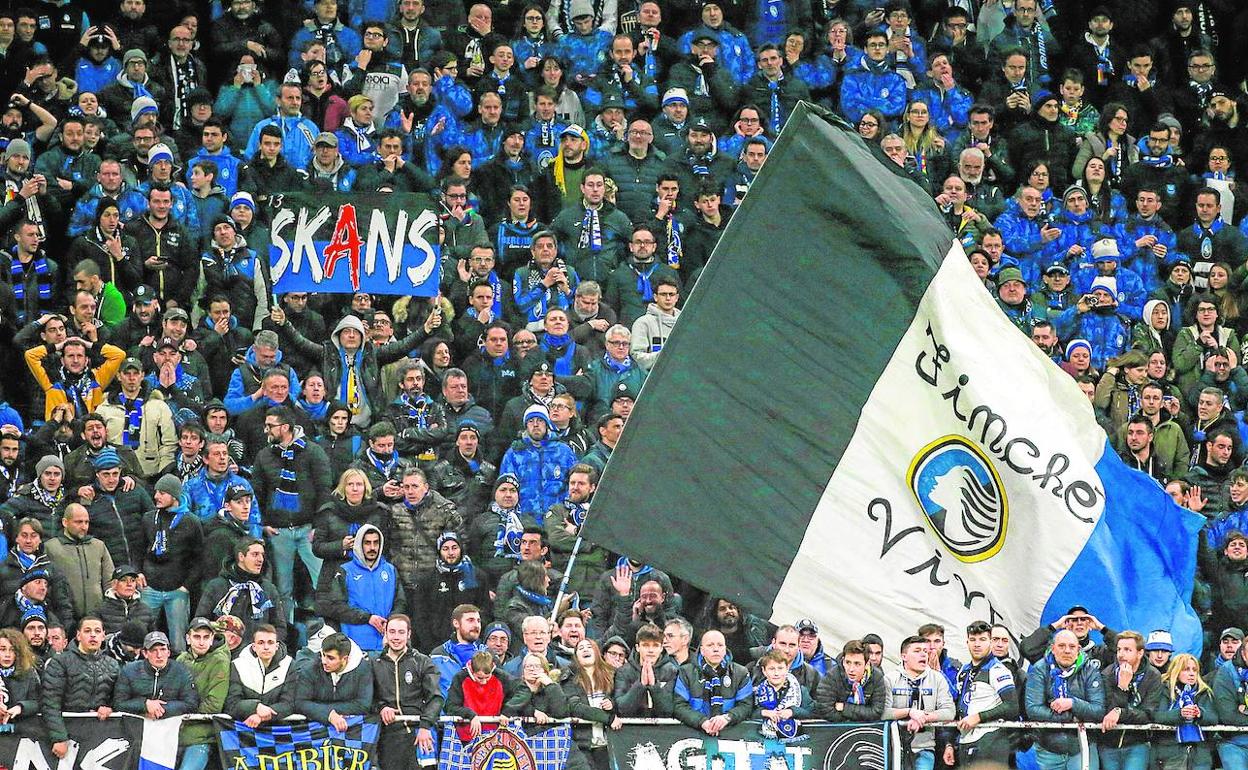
{"x":350,"y":506}
{"x":538,"y":696}
{"x":923,"y":142}
{"x":1187,"y":704}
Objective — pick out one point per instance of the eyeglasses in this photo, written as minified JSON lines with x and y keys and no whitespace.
{"x":1219,"y":157}
{"x":744,"y":119}
{"x":869,"y":124}
{"x":640,"y":132}
{"x":457,"y":196}
{"x":374,"y":34}
{"x":644,"y":242}
{"x":181,"y":40}
{"x":525,"y":343}
{"x":1201,"y":67}
{"x":617,"y":343}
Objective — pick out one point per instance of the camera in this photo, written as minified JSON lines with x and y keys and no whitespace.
{"x":1090,"y":300}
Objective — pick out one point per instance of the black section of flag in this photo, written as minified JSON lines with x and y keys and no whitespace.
{"x":760,"y":387}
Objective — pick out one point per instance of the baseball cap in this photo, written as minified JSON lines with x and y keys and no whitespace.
{"x":238,"y":492}
{"x":167,"y":342}
{"x":154,"y":639}
{"x":201,"y":622}
{"x":325,"y":138}
{"x":123,"y":571}
{"x":806,"y":626}
{"x":1232,"y":632}
{"x":177,"y":312}
{"x":132,"y":363}
{"x":573,"y":129}
{"x":145,"y":293}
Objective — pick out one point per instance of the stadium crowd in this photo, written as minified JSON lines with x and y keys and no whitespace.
{"x":218,"y":499}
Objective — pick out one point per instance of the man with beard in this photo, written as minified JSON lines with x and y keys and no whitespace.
{"x":431,"y":107}
{"x":140,"y":420}
{"x":291,"y":478}
{"x":27,"y":194}
{"x":390,"y":170}
{"x":417,"y":519}
{"x":79,"y":471}
{"x":453,"y":655}
{"x":452,"y":581}
{"x":410,"y":37}
{"x":1138,"y":452}
{"x":563,"y":529}
{"x":1212,"y":472}
{"x":69,"y":168}
{"x":143,"y":323}
{"x":36,"y":498}
{"x":741,"y":631}
{"x":418,"y":420}
{"x":241,"y":31}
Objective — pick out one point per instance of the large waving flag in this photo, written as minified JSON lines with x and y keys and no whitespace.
{"x":844,"y":426}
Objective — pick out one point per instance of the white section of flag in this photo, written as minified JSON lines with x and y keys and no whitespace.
{"x":839,"y":578}
{"x":160,"y":744}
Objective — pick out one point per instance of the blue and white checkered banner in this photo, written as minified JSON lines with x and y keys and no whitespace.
{"x":507,"y":747}
{"x":297,"y":745}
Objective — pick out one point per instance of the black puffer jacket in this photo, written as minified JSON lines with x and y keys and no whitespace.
{"x":337,"y":519}
{"x":76,"y":681}
{"x":116,"y":612}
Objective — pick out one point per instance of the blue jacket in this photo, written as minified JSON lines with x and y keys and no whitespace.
{"x":132,"y":202}
{"x":949,"y":110}
{"x":542,"y":468}
{"x":1082,"y":230}
{"x":237,"y":398}
{"x":358,"y":148}
{"x":206,"y":497}
{"x":1084,"y":688}
{"x":1131,"y":294}
{"x":298,"y":136}
{"x":583,"y":53}
{"x":1143,"y":262}
{"x":228,"y":167}
{"x":863,"y":90}
{"x":348,"y":44}
{"x":94,"y":77}
{"x":244,"y":107}
{"x":367,"y":591}
{"x":735,"y":52}
{"x":184,"y":210}
{"x":1022,"y":240}
{"x":1108,"y":333}
{"x":450,"y":661}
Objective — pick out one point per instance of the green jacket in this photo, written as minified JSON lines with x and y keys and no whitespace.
{"x":212,"y":679}
{"x":1188,"y":358}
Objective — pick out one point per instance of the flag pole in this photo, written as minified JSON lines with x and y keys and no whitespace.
{"x":567,"y":574}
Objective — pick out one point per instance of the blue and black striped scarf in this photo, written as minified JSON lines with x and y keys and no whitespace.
{"x":286,"y":495}
{"x":36,"y":277}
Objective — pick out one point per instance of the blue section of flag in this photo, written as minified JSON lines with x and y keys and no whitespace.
{"x":378,"y":282}
{"x":1136,"y":570}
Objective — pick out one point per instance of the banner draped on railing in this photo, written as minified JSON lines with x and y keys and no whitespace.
{"x":99,"y":745}
{"x":380,"y":243}
{"x":819,"y":746}
{"x":509,"y":747}
{"x":299,"y":744}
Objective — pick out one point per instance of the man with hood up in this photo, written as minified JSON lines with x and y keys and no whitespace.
{"x":350,"y":362}
{"x":361,"y":592}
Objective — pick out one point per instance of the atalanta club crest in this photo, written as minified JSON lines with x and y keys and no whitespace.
{"x":502,"y":750}
{"x":961,"y":497}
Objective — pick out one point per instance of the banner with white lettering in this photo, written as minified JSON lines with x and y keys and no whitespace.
{"x":333,"y":243}
{"x":818,"y":746}
{"x":298,"y":745}
{"x":111,"y":744}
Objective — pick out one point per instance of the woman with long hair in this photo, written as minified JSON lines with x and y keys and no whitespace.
{"x":1109,"y":142}
{"x":551,"y":71}
{"x":872,"y":126}
{"x":351,"y":506}
{"x":22,"y":687}
{"x":1107,"y":204}
{"x":340,"y":438}
{"x":924,"y":143}
{"x":1204,"y":335}
{"x":589,"y":685}
{"x":1187,"y":704}
{"x":532,"y":42}
{"x":1227,"y":296}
